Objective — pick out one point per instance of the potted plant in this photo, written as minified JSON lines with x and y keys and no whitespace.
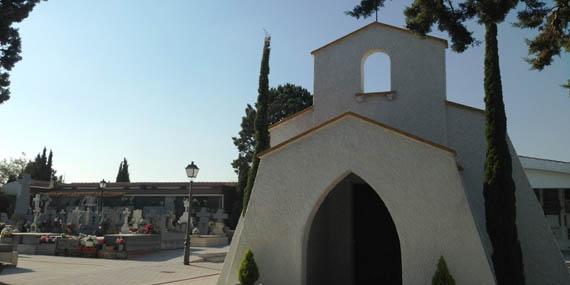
{"x":248,"y":272}
{"x":442,"y":275}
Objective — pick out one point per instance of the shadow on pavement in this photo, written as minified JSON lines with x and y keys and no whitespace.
{"x":14,"y":270}
{"x":166,"y":255}
{"x":162,"y":255}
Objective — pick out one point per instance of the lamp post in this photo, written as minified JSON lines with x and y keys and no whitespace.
{"x":102,"y":186}
{"x":191,"y":171}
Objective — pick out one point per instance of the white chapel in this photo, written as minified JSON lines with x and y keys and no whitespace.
{"x":373,"y":187}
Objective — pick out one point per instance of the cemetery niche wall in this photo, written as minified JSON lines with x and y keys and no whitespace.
{"x":140,"y":216}
{"x":363,"y":181}
{"x":159,"y":204}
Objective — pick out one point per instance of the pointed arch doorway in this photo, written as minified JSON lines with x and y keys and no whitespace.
{"x":353,"y":239}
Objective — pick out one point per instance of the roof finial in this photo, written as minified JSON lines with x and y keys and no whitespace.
{"x":376,"y":13}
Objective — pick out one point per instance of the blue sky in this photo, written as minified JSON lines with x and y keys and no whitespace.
{"x":163,"y":84}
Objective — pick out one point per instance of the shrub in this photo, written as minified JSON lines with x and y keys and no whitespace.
{"x":248,"y":272}
{"x":442,"y":275}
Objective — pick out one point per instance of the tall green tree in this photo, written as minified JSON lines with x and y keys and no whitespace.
{"x":123,"y":174}
{"x":260,"y":123}
{"x":119,"y":173}
{"x":41,"y":168}
{"x":245,"y":143}
{"x":43,"y":161}
{"x":126,"y":175}
{"x":287,"y":99}
{"x":551,"y":20}
{"x":498,"y":187}
{"x":11,"y":12}
{"x":284,"y":100}
{"x":49,"y":164}
{"x":13,"y":168}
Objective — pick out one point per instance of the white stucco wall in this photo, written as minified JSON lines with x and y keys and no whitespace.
{"x":545,"y":173}
{"x":542,"y":259}
{"x":12,"y":188}
{"x":291,"y":127}
{"x":419,"y":184}
{"x":547,"y":179}
{"x":417,"y":75}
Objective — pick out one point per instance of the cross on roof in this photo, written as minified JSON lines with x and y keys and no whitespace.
{"x":376,"y":14}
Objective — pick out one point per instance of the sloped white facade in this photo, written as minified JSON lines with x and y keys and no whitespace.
{"x":422,"y":155}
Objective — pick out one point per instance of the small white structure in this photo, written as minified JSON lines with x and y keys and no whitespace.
{"x":204,"y":221}
{"x":377,"y":186}
{"x":185,"y":216}
{"x":75,"y":217}
{"x":550,"y":180}
{"x":37,"y":212}
{"x":21,"y":189}
{"x":137,"y":218}
{"x":125,"y":227}
{"x":219,"y":224}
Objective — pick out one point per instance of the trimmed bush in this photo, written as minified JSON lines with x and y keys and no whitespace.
{"x":248,"y":272}
{"x":442,"y":275}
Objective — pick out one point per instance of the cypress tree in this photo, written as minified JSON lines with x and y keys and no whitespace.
{"x":33,"y":167}
{"x":49,"y":172}
{"x":41,"y":168}
{"x":442,"y":275}
{"x":120,"y":173}
{"x":284,"y":100}
{"x":125,"y":177}
{"x":42,"y":165}
{"x":248,"y":271}
{"x":498,"y":186}
{"x":123,"y":173}
{"x":261,"y":124}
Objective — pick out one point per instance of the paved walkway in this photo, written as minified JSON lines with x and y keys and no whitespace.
{"x":164,"y":267}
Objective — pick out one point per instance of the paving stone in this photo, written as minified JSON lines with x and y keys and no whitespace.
{"x":163,"y":267}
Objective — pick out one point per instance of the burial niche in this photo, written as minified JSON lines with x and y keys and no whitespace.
{"x":353,"y":239}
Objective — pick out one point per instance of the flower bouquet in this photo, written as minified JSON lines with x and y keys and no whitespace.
{"x":120,"y":242}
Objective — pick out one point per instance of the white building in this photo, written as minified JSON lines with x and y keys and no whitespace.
{"x":373,"y":186}
{"x":550,"y":180}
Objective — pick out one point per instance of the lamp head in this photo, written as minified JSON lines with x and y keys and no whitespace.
{"x":192,"y":170}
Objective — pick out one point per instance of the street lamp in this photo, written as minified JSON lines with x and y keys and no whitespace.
{"x":102,"y":186}
{"x":191,"y":171}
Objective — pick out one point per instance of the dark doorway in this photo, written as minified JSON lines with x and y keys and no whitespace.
{"x":376,"y":244}
{"x":353,"y":239}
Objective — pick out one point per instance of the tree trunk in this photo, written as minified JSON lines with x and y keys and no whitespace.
{"x":499,"y":187}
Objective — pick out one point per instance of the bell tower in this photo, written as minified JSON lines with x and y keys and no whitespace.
{"x":415,"y":101}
